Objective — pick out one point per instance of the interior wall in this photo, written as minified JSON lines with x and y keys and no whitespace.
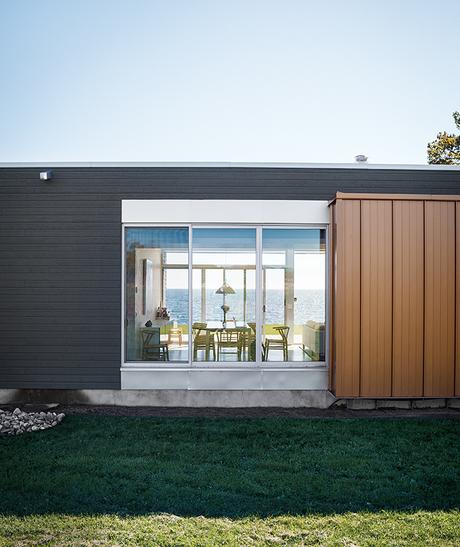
{"x":153,"y":292}
{"x":396,"y":313}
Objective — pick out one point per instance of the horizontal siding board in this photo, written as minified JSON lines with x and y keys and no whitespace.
{"x":95,"y":274}
{"x":65,"y":338}
{"x":47,"y":247}
{"x":61,"y":283}
{"x":33,"y":381}
{"x":16,"y":361}
{"x":57,"y":236}
{"x":109,"y":298}
{"x":68,"y":365}
{"x":21,"y":261}
{"x":34,"y":298}
{"x":90,"y":367}
{"x":70,"y":230}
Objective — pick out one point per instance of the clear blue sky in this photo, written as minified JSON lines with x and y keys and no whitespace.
{"x":191,"y":80}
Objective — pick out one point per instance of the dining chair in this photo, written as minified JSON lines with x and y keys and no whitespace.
{"x":279,"y":341}
{"x":230,"y":339}
{"x":152,"y":347}
{"x":203,"y":339}
{"x":248,"y":341}
{"x":175,"y":333}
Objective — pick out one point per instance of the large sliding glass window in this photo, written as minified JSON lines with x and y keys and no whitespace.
{"x":294,"y":282}
{"x":157,"y":295}
{"x":224,"y":272}
{"x":256,"y":294}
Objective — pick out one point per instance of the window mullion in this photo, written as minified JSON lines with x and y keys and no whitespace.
{"x":190,"y":296}
{"x":259,"y":315}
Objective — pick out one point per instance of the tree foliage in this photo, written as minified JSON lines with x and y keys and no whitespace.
{"x":445,"y":149}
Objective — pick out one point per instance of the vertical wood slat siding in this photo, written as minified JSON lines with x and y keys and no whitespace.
{"x":348,"y":298}
{"x":376,"y":298}
{"x":457,"y":321}
{"x":439,"y":299}
{"x":408,"y":298}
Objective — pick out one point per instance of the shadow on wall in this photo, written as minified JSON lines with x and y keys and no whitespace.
{"x":231,"y":467}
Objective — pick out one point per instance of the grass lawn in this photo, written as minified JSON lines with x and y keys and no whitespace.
{"x":197,"y":481}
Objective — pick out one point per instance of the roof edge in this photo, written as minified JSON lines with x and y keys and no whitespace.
{"x":393,"y":197}
{"x":260,"y":165}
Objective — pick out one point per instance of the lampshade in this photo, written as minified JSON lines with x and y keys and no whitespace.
{"x":225,"y":289}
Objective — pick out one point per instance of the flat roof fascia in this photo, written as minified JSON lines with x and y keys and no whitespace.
{"x":390,"y":197}
{"x":261,"y":165}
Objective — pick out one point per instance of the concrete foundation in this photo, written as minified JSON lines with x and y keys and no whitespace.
{"x":429,"y":403}
{"x":214,"y":399}
{"x":399,"y":404}
{"x":361,"y":404}
{"x":173,"y":398}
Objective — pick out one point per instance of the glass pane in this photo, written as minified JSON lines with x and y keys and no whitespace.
{"x":294,"y":289}
{"x":157,"y":294}
{"x":224,"y":272}
{"x":176,"y":258}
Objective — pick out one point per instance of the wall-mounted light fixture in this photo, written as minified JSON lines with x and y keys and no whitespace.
{"x":46,"y":175}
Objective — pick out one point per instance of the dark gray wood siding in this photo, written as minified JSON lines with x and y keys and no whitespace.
{"x":60,"y":252}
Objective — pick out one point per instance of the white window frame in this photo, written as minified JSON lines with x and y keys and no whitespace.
{"x":282,"y":207}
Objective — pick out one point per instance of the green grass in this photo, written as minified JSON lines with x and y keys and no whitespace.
{"x":231,"y":481}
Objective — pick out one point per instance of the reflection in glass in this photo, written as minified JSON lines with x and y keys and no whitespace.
{"x":157,"y":296}
{"x":294,"y":282}
{"x":224,"y":267}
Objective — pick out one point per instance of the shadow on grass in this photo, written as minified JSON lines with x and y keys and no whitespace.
{"x":231,"y":467}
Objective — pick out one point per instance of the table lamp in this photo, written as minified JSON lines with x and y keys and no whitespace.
{"x":225,"y":289}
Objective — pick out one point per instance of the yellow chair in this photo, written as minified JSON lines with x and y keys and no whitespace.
{"x":203,"y":341}
{"x":175,"y":332}
{"x":248,"y":341}
{"x":230,"y":339}
{"x":277,"y":342}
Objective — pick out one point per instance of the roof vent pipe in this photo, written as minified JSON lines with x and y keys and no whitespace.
{"x":361,"y":158}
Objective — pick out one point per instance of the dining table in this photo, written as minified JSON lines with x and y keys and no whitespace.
{"x":220,"y":325}
{"x":214,"y":326}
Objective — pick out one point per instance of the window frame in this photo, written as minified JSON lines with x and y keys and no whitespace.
{"x":258,"y":364}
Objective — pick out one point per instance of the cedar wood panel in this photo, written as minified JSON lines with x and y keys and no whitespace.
{"x":347,"y":298}
{"x":439,"y":299}
{"x":60,"y":260}
{"x":409,"y":287}
{"x":376,"y":297}
{"x":408,"y":298}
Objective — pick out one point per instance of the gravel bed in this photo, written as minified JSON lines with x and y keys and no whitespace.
{"x":17,"y":421}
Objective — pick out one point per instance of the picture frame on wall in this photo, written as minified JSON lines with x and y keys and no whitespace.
{"x":147,"y":285}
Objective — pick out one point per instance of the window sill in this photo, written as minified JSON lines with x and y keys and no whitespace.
{"x":225,"y":378}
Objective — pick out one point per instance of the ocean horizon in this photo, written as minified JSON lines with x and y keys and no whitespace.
{"x":310,"y":305}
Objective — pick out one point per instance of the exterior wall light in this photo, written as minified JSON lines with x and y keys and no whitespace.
{"x":46,"y":175}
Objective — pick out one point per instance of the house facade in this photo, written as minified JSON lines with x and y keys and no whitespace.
{"x":229,"y":284}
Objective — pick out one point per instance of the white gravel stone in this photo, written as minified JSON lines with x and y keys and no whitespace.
{"x":18,"y":422}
